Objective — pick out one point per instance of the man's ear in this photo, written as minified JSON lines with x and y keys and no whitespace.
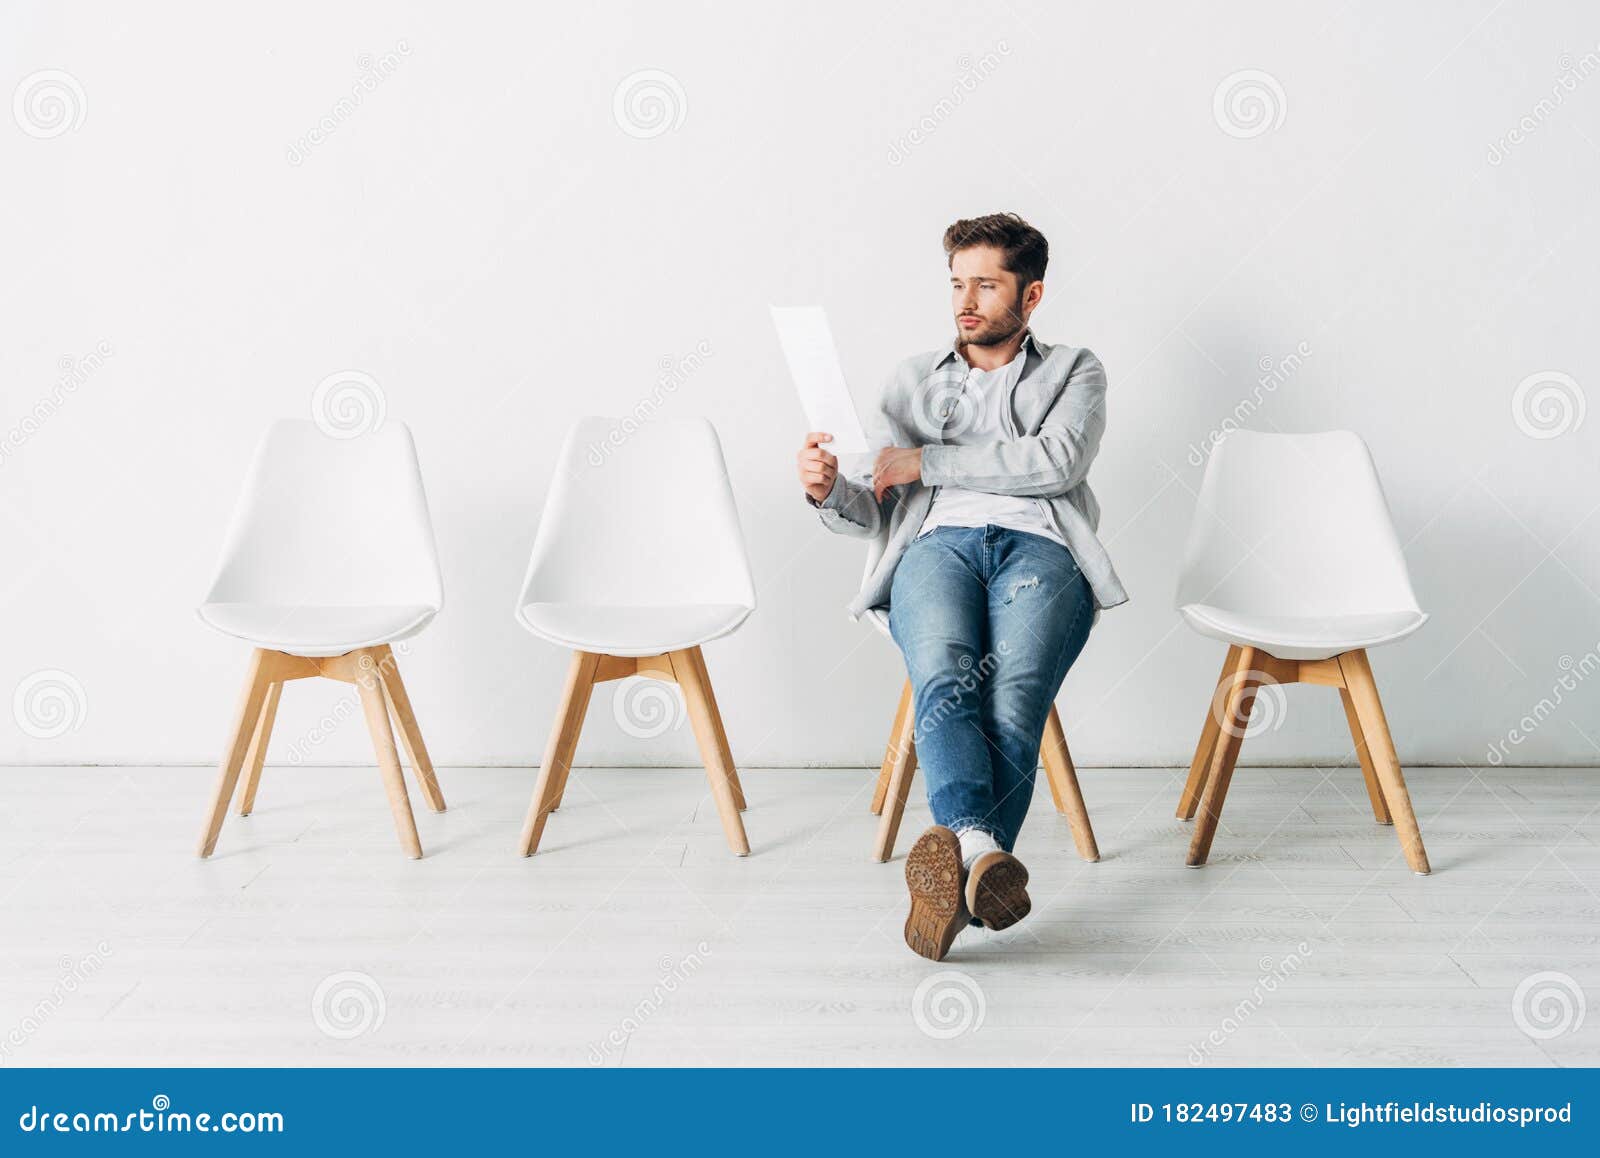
{"x":1031,"y":296}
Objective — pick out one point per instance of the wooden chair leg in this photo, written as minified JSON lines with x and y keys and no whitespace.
{"x":1209,"y":731}
{"x":1380,"y":745}
{"x":1369,"y":772}
{"x":246,"y":718}
{"x":375,"y":706}
{"x":723,"y":749}
{"x":251,"y":779}
{"x":1063,"y":778}
{"x":903,"y":748}
{"x":880,"y":791}
{"x":405,"y":718}
{"x":688,"y":668}
{"x":1237,"y":703}
{"x":560,"y":748}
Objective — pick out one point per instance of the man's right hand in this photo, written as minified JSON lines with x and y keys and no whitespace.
{"x":818,"y":468}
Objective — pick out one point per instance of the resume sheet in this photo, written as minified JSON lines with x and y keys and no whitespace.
{"x":814,"y":364}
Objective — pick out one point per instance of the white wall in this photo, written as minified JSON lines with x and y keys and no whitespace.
{"x":482,"y":236}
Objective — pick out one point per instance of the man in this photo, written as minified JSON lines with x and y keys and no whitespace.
{"x":992,"y":575}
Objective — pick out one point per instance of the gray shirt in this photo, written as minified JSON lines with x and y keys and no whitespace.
{"x":1053,"y":421}
{"x":979,"y":415}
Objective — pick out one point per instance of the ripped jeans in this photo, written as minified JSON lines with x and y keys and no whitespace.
{"x":989,"y":620}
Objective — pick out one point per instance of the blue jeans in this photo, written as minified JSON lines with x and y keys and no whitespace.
{"x":989,"y":620}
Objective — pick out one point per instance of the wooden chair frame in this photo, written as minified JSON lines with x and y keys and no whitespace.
{"x":900,"y":763}
{"x":687,"y":669}
{"x":376,"y":675}
{"x":1243,"y":671}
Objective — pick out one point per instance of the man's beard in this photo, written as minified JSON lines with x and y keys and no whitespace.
{"x":994,"y":333}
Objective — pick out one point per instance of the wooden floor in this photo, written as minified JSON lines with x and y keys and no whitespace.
{"x":634,"y":938}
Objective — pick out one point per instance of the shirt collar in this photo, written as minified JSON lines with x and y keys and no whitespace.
{"x":949,"y":350}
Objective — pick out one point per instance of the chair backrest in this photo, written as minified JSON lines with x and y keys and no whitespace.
{"x":876,"y":546}
{"x":335,"y":521}
{"x":1297,"y":525}
{"x":640,"y":516}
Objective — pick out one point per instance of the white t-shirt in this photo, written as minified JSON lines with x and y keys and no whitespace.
{"x":974,"y":415}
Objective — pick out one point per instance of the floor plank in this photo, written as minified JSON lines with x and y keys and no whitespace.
{"x":634,"y":938}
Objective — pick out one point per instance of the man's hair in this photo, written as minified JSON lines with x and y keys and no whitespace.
{"x":1025,"y":250}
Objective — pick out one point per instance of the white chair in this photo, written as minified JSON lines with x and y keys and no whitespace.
{"x":900,"y":759}
{"x":329,"y":561}
{"x":638,"y":561}
{"x":1294,"y":563}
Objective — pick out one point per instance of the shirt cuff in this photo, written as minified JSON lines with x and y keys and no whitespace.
{"x":936,"y":466}
{"x":834,"y":498}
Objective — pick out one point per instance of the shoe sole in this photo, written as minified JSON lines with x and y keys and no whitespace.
{"x":938,"y":906}
{"x":1000,"y":895}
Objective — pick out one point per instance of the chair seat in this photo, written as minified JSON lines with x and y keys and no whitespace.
{"x":1302,"y":637}
{"x":614,"y":629}
{"x":317,"y":630}
{"x":879,"y":619}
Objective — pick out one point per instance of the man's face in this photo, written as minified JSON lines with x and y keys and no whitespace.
{"x":990,"y":307}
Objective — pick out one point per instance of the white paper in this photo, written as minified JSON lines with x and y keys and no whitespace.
{"x":814,"y":364}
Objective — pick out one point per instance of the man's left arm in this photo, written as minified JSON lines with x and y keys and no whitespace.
{"x":1041,"y":465}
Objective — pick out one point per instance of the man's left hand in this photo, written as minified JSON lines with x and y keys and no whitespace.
{"x":895,"y":465}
